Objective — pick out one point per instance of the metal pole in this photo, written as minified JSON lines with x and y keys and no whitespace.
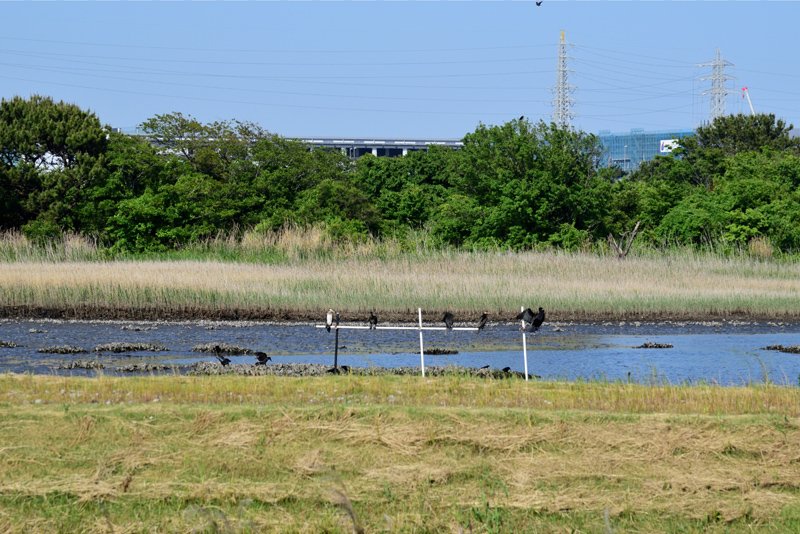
{"x":336,"y":350}
{"x":524,"y":346}
{"x":421,"y":348}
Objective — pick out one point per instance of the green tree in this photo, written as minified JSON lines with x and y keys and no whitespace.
{"x":698,"y":219}
{"x":51,"y":155}
{"x":213,"y":149}
{"x":531,"y":180}
{"x":335,"y":201}
{"x":284,"y":169}
{"x":733,"y":134}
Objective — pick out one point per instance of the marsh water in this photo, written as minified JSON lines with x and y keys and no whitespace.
{"x":723,"y":353}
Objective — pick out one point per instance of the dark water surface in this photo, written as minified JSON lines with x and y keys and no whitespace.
{"x":724,"y":353}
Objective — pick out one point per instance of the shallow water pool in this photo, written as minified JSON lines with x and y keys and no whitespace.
{"x":723,"y":353}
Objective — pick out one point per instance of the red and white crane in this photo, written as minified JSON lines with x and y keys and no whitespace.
{"x":746,"y":94}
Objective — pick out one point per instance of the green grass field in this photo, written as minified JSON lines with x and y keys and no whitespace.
{"x":394,"y":454}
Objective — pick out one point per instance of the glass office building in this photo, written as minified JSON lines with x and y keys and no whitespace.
{"x":629,"y":150}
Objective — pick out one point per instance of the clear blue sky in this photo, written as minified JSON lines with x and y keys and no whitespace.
{"x":404,"y":68}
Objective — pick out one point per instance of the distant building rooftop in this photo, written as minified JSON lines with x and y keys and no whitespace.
{"x":624,"y":150}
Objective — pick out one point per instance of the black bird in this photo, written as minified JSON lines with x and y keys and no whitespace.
{"x":485,"y":367}
{"x":521,"y":118}
{"x":373,"y":320}
{"x":506,"y":369}
{"x":482,"y":320}
{"x":538,"y":320}
{"x":526,"y":315}
{"x":539,"y":2}
{"x":224,"y":360}
{"x":448,"y":320}
{"x":262,"y":358}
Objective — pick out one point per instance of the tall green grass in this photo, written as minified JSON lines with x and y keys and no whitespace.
{"x":300,"y":244}
{"x":464,"y":391}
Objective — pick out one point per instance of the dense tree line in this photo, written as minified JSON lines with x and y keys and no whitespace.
{"x":518,"y":185}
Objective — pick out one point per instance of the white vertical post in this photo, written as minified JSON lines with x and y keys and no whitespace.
{"x":524,"y":345}
{"x":421,"y":348}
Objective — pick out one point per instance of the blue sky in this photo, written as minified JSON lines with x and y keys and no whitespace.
{"x":400,"y":69}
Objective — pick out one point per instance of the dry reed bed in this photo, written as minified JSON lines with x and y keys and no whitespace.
{"x":571,"y":285}
{"x":266,"y":458}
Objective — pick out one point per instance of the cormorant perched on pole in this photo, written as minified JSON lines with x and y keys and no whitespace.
{"x":262,"y":358}
{"x":224,"y":360}
{"x":448,"y":320}
{"x":538,"y":320}
{"x":482,"y":320}
{"x":329,"y":320}
{"x":532,"y":322}
{"x":373,"y":320}
{"x":526,"y":315}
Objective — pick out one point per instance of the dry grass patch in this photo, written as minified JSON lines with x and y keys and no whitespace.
{"x":480,"y":456}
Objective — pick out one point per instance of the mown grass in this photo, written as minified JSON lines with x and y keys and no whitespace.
{"x":401,"y":454}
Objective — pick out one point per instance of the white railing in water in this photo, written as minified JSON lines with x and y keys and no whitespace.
{"x":420,"y":328}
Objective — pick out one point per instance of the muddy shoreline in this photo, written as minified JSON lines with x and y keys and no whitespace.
{"x":94,"y":313}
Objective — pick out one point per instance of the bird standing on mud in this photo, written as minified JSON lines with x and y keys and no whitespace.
{"x":224,"y":360}
{"x":482,"y":320}
{"x":373,"y":320}
{"x":262,"y":358}
{"x":448,"y":320}
{"x":329,"y":320}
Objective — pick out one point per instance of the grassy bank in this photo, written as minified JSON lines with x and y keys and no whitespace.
{"x":569,"y":286}
{"x":398,"y":454}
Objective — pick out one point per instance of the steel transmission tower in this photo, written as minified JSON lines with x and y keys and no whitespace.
{"x":562,"y":103}
{"x":718,"y":91}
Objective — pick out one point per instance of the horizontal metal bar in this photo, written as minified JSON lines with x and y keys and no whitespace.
{"x":354,"y":327}
{"x":341,"y":326}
